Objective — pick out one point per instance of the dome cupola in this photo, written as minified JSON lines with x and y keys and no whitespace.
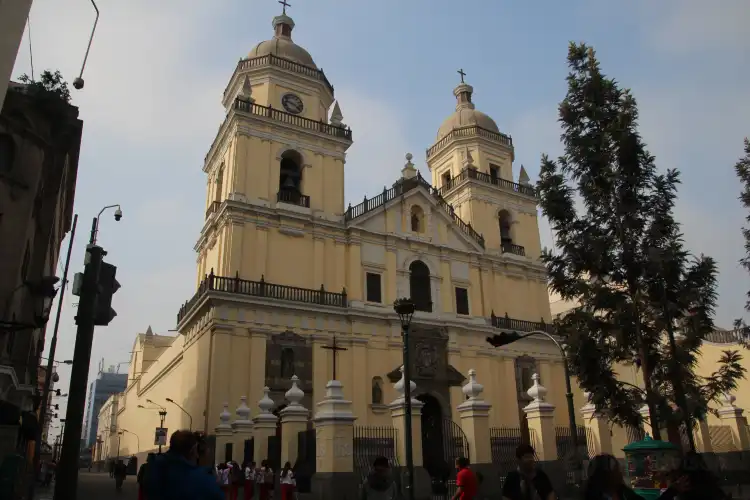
{"x":281,"y":45}
{"x":466,"y":114}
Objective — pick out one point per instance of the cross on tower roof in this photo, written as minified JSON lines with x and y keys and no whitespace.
{"x":461,"y":72}
{"x":334,"y":348}
{"x":283,"y":2}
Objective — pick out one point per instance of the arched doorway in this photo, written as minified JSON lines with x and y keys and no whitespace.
{"x":432,"y":437}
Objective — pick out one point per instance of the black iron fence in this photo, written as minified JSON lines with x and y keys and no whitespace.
{"x":370,"y":443}
{"x":503,"y":444}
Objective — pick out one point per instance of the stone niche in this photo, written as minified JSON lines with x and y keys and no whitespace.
{"x":289,"y":354}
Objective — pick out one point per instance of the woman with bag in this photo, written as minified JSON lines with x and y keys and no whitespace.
{"x":286,"y":479}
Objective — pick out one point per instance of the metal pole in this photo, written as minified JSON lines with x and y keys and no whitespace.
{"x":51,"y":360}
{"x":407,"y":418}
{"x":162,"y":416}
{"x":94,"y":230}
{"x":67,"y":480}
{"x":572,"y":418}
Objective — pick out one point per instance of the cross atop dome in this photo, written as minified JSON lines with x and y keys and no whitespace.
{"x":461,"y":72}
{"x":283,"y":24}
{"x":285,"y":5}
{"x":463,"y":93}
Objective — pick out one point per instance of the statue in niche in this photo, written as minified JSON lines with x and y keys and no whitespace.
{"x":377,"y":391}
{"x":287,"y":363}
{"x":427,"y":358}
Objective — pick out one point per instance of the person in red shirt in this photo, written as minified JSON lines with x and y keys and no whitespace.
{"x":466,"y":481}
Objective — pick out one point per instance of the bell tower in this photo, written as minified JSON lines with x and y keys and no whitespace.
{"x":281,"y":148}
{"x":471,"y":163}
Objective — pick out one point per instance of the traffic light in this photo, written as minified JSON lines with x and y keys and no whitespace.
{"x":501,"y":339}
{"x":107,"y":287}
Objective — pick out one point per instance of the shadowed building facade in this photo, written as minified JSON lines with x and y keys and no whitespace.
{"x":284,"y":264}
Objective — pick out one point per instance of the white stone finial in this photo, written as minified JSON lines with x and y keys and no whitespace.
{"x":266,"y":404}
{"x":243,"y":411}
{"x":728,"y":399}
{"x":225,"y":417}
{"x":473,"y":389}
{"x":246,"y":92}
{"x":399,"y":386}
{"x":295,"y":394}
{"x":336,"y":115}
{"x":537,"y":391}
{"x":408,"y":172}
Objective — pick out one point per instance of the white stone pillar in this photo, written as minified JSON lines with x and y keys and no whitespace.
{"x":540,"y":415}
{"x":224,"y":434}
{"x":731,"y":416}
{"x":264,"y":426}
{"x":475,"y":413}
{"x":398,"y":411}
{"x":243,"y":430}
{"x":597,"y":427}
{"x":294,"y":420}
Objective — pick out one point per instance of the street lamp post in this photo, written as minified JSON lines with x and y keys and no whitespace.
{"x":162,"y":416}
{"x":95,"y":222}
{"x":502,"y":339}
{"x":137,"y":439}
{"x":405,"y":310}
{"x":170,"y":400}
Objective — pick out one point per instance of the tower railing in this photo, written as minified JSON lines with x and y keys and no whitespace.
{"x":246,"y":106}
{"x":469,"y":131}
{"x":285,"y":64}
{"x":472,"y":173}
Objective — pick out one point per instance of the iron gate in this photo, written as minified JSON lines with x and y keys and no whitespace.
{"x":440,"y":463}
{"x":304,"y":467}
{"x":370,"y":443}
{"x":249,"y":451}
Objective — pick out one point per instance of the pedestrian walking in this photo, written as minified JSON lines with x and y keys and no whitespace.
{"x":142,"y":476}
{"x":287,"y":482}
{"x":249,"y":489}
{"x":120,"y":473}
{"x":266,"y":487}
{"x":527,"y":481}
{"x":379,"y":484}
{"x":466,"y":481}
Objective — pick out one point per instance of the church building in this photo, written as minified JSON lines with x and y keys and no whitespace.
{"x":288,"y":268}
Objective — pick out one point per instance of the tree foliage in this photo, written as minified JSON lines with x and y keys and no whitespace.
{"x":49,"y":83}
{"x":742,"y":168}
{"x":621,"y":256}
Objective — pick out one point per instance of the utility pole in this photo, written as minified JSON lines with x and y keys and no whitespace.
{"x":66,"y":484}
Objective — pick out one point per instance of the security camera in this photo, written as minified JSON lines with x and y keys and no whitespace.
{"x":118,"y":214}
{"x":55,"y":378}
{"x":78,"y":83}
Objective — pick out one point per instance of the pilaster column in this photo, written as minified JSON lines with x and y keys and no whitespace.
{"x":293,"y":421}
{"x":243,"y":430}
{"x":475,"y":421}
{"x":398,"y":411}
{"x":597,"y":427}
{"x":646,"y":419}
{"x":264,"y":426}
{"x":224,"y":435}
{"x":731,"y":416}
{"x":540,"y":415}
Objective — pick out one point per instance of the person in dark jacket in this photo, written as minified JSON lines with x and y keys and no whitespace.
{"x":142,"y":474}
{"x":380,"y":484}
{"x":175,"y":475}
{"x":121,"y":471}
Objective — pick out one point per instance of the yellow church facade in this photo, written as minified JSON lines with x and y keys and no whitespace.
{"x":285,"y":265}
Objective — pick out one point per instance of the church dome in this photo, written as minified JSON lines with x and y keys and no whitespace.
{"x":465,"y":115}
{"x":281,"y":45}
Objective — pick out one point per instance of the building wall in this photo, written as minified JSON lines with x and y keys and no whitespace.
{"x":39,"y":144}
{"x":13,"y":15}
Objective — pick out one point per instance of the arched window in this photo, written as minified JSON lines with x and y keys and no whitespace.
{"x":287,"y":363}
{"x":377,"y":391}
{"x":419,"y":286}
{"x":219,"y":193}
{"x":7,"y":152}
{"x":505,"y":221}
{"x":417,"y":219}
{"x":290,"y":176}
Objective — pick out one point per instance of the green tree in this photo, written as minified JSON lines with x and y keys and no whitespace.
{"x":49,"y":83}
{"x":742,"y":168}
{"x":620,"y":255}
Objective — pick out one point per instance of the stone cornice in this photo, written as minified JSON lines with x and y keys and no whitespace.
{"x":464,"y":141}
{"x":519,"y":202}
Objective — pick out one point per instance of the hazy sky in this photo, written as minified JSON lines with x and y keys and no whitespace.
{"x":157,"y":70}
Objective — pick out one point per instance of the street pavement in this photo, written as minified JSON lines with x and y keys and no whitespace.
{"x":96,"y":486}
